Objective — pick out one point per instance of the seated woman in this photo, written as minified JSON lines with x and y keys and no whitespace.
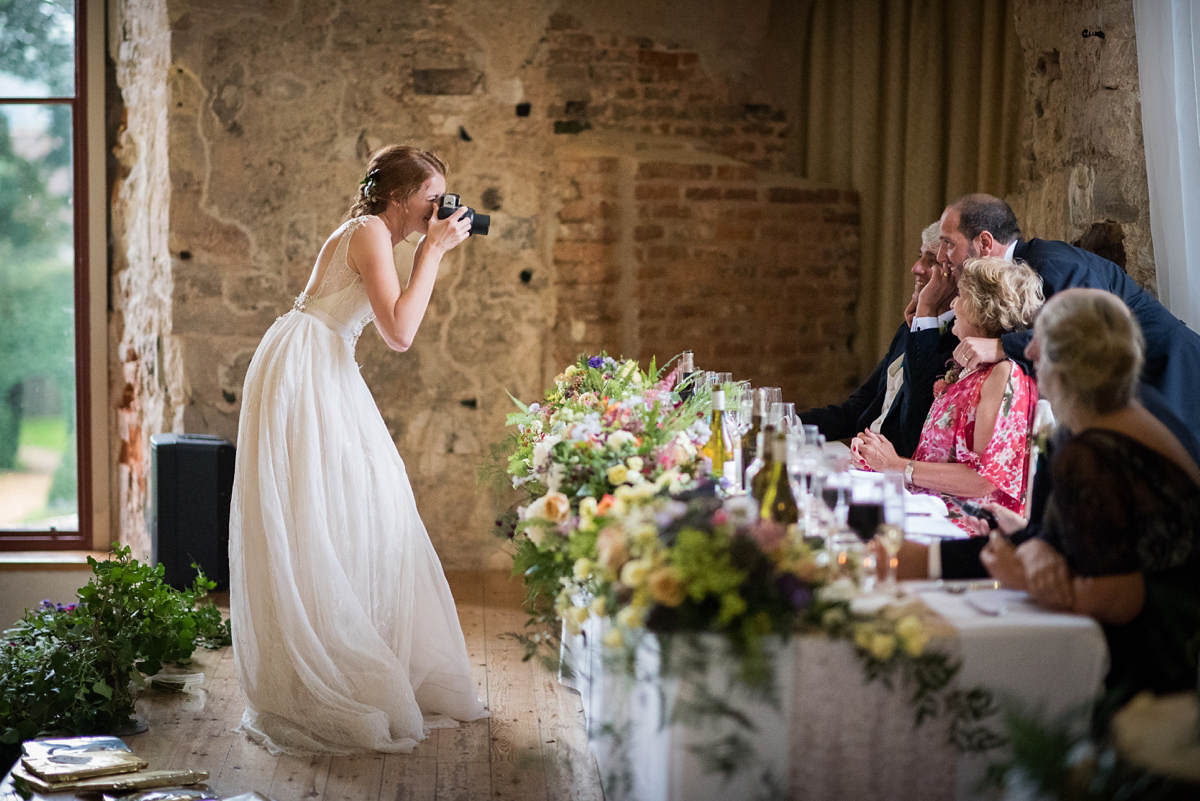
{"x":975,"y":442}
{"x":1124,"y":502}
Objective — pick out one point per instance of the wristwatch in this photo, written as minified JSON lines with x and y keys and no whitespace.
{"x":908,"y":473}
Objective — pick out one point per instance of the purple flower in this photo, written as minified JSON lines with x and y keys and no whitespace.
{"x":797,"y":593}
{"x":595,"y":361}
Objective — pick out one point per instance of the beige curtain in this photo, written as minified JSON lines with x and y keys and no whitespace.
{"x":912,"y":103}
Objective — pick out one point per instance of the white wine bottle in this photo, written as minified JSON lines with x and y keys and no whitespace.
{"x":719,"y":448}
{"x":770,"y":486}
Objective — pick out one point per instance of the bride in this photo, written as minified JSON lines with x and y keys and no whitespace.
{"x":345,"y":634}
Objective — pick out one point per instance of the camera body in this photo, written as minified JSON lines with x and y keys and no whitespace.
{"x":450,"y":203}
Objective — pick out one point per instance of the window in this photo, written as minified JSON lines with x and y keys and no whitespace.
{"x":45,"y":415}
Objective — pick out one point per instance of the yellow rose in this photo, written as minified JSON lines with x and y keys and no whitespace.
{"x":864,"y":633}
{"x":570,"y":371}
{"x":908,"y":626}
{"x":612,"y":550}
{"x":634,"y":573}
{"x":579,"y":614}
{"x":617,"y":474}
{"x":587,"y":507}
{"x":914,"y":645}
{"x":583,"y":569}
{"x":630,"y":617}
{"x":883,"y":646}
{"x":624,"y":493}
{"x":599,"y":606}
{"x":666,"y":587}
{"x":646,"y":535}
{"x":613,"y":638}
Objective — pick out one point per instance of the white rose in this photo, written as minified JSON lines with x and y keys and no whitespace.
{"x":635,"y":463}
{"x":541,"y":450}
{"x":618,"y":438}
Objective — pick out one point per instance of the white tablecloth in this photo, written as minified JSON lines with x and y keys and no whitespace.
{"x":834,"y":736}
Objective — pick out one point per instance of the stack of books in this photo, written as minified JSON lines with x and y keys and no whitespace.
{"x":93,"y":765}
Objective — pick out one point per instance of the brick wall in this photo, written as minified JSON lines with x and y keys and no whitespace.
{"x":672,"y":250}
{"x":632,"y":83}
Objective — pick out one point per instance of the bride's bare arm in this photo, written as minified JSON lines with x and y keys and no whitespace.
{"x":399,"y":311}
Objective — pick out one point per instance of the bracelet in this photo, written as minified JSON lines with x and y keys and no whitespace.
{"x":908,"y":473}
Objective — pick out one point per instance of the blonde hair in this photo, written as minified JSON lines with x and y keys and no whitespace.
{"x":396,"y":172}
{"x":1091,"y":351}
{"x":1001,"y":296}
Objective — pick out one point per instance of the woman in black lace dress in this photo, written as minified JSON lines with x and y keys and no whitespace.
{"x":1124,"y":510}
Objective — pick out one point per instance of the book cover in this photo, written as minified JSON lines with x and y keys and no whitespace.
{"x":61,"y":759}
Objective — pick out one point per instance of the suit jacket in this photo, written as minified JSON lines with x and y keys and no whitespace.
{"x":1172,"y":366}
{"x":925,"y":355}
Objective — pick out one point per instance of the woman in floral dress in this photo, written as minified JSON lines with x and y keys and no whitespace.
{"x":975,"y":443}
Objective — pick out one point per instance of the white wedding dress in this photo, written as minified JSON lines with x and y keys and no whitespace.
{"x":345,"y":634}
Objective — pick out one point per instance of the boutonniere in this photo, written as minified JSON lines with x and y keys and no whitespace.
{"x":942,"y":384}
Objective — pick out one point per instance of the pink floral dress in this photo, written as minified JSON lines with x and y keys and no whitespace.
{"x":949,"y":433}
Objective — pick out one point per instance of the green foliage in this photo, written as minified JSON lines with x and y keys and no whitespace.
{"x":36,"y":282}
{"x":35,"y":43}
{"x":76,"y":669}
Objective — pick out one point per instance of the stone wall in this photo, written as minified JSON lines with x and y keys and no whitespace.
{"x":146,"y":375}
{"x":1084,"y":170}
{"x":257,"y":118}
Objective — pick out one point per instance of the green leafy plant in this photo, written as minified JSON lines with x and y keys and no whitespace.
{"x":77,"y":668}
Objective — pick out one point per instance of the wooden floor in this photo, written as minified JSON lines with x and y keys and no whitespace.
{"x":533,"y":747}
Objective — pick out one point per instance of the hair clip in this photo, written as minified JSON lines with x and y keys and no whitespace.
{"x":367,"y":185}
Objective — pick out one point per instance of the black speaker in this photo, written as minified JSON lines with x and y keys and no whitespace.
{"x":191,"y":483}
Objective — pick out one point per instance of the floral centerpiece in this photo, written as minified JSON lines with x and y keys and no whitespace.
{"x":624,"y":523}
{"x":605,"y":424}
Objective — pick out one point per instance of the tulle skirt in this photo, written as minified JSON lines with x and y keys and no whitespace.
{"x":345,"y":634}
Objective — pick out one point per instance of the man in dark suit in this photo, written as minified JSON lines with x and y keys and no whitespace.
{"x":896,"y":398}
{"x":982,"y":225}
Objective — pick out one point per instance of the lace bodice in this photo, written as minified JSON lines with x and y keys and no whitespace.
{"x":340,"y":300}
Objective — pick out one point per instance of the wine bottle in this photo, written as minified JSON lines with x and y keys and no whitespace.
{"x":719,"y":448}
{"x":758,"y":416}
{"x":686,"y":385}
{"x":770,"y":486}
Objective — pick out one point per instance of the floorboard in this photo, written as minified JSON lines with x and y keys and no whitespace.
{"x":533,"y":747}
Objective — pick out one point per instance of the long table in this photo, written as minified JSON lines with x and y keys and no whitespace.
{"x":833,"y":735}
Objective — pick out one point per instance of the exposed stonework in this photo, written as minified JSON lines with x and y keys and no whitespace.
{"x":146,"y":373}
{"x":253,"y":130}
{"x":1083,"y":178}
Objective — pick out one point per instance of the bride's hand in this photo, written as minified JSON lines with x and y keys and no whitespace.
{"x":444,"y":235}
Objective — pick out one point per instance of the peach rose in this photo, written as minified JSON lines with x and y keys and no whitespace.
{"x":666,"y":587}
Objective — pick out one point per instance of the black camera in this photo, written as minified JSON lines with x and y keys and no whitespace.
{"x":976,"y":510}
{"x":450,"y":203}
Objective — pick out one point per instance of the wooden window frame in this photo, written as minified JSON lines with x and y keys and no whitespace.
{"x":84,"y":186}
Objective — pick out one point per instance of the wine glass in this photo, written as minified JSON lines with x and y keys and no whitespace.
{"x":865,"y":513}
{"x":891,"y":530}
